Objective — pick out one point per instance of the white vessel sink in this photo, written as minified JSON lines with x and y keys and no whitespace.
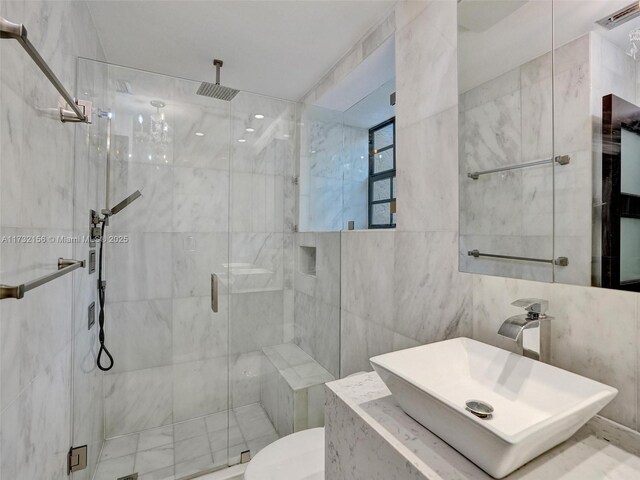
{"x":536,"y":406}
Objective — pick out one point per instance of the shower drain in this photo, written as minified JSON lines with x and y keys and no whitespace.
{"x":133,"y":476}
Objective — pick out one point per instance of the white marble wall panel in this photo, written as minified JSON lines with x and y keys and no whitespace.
{"x":195,"y":257}
{"x":200,"y":199}
{"x":198,"y":332}
{"x":256,"y":262}
{"x":270,"y":148}
{"x":257,"y":202}
{"x":441,"y":307}
{"x":367,"y":283}
{"x":138,"y":400}
{"x":155,"y":182}
{"x":41,"y":347}
{"x":139,"y":269}
{"x":139,"y":334}
{"x":426,"y":94}
{"x":199,"y":388}
{"x":426,"y":169}
{"x":256,"y":320}
{"x":35,"y":433}
{"x":245,"y":375}
{"x":210,"y":150}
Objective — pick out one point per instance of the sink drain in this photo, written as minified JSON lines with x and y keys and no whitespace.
{"x":479,"y":408}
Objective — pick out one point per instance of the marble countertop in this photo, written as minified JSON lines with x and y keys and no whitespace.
{"x":588,"y":455}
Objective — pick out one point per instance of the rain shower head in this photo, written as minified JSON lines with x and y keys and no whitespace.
{"x":215,"y":90}
{"x":124,"y":203}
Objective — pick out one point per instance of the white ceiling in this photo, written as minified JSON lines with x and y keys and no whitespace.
{"x":275,"y":48}
{"x":528,"y":32}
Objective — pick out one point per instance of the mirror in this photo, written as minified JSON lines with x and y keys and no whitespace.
{"x":549,"y":141}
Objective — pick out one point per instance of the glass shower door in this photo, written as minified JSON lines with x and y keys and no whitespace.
{"x":163,"y":408}
{"x":281,"y":341}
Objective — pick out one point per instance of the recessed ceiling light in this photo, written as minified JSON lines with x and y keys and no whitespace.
{"x":259,"y":116}
{"x":249,"y":129}
{"x":199,"y":134}
{"x":241,"y":140}
{"x":286,"y":135}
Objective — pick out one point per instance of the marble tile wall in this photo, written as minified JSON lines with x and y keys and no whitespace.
{"x":401,"y":288}
{"x":317,"y":299}
{"x":43,"y":343}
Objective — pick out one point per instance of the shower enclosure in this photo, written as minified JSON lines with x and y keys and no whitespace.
{"x":192,"y":389}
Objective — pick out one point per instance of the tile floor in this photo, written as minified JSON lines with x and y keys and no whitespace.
{"x":176,"y":451}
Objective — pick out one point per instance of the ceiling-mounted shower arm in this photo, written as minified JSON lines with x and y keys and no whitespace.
{"x":218,"y":64}
{"x":79,"y":110}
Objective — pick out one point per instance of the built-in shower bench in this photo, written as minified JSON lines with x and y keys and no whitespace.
{"x":292,"y":388}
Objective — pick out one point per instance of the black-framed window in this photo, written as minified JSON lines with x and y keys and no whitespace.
{"x":382,"y":175}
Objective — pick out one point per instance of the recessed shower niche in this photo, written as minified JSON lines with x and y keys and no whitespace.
{"x":307,"y":260}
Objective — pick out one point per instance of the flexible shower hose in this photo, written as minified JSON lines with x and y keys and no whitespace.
{"x":101,"y":297}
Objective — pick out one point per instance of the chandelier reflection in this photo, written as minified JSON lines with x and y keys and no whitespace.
{"x":154,"y":130}
{"x":634,"y":43}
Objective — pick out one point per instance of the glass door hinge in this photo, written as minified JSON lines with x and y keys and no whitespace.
{"x":245,"y":456}
{"x":76,"y":459}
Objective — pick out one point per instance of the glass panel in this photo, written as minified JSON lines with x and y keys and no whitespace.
{"x":370,"y":111}
{"x":325,"y":160}
{"x":169,"y":381}
{"x":381,"y":189}
{"x":383,"y":137}
{"x":383,"y":161}
{"x":629,"y":249}
{"x":380,"y":214}
{"x":630,"y":168}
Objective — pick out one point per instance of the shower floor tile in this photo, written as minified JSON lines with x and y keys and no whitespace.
{"x":175,"y":451}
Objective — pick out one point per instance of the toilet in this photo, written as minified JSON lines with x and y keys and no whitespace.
{"x":299,"y":456}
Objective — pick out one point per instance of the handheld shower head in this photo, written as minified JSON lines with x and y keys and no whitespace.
{"x":124,"y":203}
{"x":215,"y":90}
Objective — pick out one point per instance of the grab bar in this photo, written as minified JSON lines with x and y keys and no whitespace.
{"x":64,"y":266}
{"x":560,"y":261}
{"x":560,"y":160}
{"x":81,"y":108}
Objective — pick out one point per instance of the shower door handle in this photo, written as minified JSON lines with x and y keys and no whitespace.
{"x":214,"y":292}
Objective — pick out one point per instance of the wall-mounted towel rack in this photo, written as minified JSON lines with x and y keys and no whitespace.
{"x":560,"y":261}
{"x":80,"y":109}
{"x":64,"y":266}
{"x":560,"y":160}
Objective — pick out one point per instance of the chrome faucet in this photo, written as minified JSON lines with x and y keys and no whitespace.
{"x":536,"y":323}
